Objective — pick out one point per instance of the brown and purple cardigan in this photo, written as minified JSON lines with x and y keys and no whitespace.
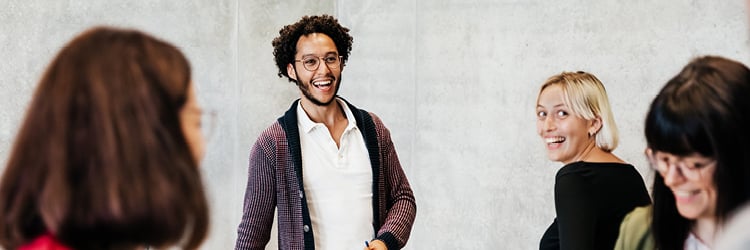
{"x":275,"y":181}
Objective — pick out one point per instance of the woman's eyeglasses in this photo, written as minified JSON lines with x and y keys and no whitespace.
{"x":690,"y":167}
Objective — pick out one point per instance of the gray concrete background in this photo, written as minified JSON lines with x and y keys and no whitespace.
{"x":455,"y":81}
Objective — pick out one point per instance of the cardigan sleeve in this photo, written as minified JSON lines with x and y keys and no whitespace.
{"x":576,"y":212}
{"x":402,"y":208}
{"x":260,"y":196}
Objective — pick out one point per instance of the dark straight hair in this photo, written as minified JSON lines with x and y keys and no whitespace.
{"x":704,"y":109}
{"x":100,"y":160}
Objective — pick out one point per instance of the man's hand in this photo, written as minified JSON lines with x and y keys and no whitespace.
{"x":376,"y":245}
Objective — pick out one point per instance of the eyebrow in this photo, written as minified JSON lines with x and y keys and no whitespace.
{"x":699,"y":159}
{"x":556,"y":105}
{"x":326,"y":54}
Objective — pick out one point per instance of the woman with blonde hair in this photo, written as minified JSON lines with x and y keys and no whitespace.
{"x":595,"y":188}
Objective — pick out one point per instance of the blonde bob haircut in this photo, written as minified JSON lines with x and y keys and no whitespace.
{"x":585,"y":95}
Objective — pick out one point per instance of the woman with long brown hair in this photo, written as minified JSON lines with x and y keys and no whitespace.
{"x":107,"y":156}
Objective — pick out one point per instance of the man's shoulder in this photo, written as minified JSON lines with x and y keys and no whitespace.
{"x":288,"y":117}
{"x":356,"y":110}
{"x":274,"y":130}
{"x":363,"y":113}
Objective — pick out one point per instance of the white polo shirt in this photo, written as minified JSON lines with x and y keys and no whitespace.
{"x":337,"y":182}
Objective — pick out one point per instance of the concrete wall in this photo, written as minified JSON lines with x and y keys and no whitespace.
{"x":455,"y":81}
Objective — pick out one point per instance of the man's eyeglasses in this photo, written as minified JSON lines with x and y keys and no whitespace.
{"x":311,"y":63}
{"x":689,"y":168}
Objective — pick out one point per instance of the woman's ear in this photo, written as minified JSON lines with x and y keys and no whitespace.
{"x":290,"y":71}
{"x":595,"y":126}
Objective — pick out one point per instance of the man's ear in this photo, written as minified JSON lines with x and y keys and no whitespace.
{"x":290,"y":71}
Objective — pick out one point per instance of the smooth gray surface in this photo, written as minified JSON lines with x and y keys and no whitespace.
{"x":455,"y":81}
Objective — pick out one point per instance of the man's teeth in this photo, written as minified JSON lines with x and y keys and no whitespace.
{"x":557,"y":139}
{"x":324,"y":83}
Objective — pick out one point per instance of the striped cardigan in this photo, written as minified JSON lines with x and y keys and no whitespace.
{"x":275,"y":180}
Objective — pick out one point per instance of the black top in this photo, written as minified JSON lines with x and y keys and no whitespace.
{"x":591,"y":199}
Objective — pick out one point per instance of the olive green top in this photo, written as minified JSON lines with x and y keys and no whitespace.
{"x":635,"y":230}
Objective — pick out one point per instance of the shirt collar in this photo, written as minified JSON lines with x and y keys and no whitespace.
{"x":303,"y":120}
{"x":307,"y":125}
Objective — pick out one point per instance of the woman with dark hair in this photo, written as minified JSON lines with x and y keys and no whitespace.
{"x":107,"y":156}
{"x":697,"y":134}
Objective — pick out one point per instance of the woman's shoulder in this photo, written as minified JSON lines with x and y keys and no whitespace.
{"x":639,"y":214}
{"x":635,"y":230}
{"x":585,"y":167}
{"x":46,"y":241}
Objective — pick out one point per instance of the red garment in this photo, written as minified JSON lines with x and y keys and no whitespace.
{"x":44,"y":242}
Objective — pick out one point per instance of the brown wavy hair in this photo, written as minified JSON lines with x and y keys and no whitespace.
{"x":285,"y":45}
{"x":100,"y":160}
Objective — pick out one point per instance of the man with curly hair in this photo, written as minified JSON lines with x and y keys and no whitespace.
{"x":354,"y":188}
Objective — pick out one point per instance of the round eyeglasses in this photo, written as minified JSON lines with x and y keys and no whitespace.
{"x":690,"y":167}
{"x":311,"y":63}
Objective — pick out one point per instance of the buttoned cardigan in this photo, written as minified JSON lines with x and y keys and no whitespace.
{"x":275,"y":181}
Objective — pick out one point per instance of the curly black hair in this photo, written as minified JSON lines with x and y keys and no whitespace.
{"x":285,"y":45}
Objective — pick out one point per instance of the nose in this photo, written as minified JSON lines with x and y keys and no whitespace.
{"x":549,"y":124}
{"x":673,"y":176}
{"x":323,"y":67}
